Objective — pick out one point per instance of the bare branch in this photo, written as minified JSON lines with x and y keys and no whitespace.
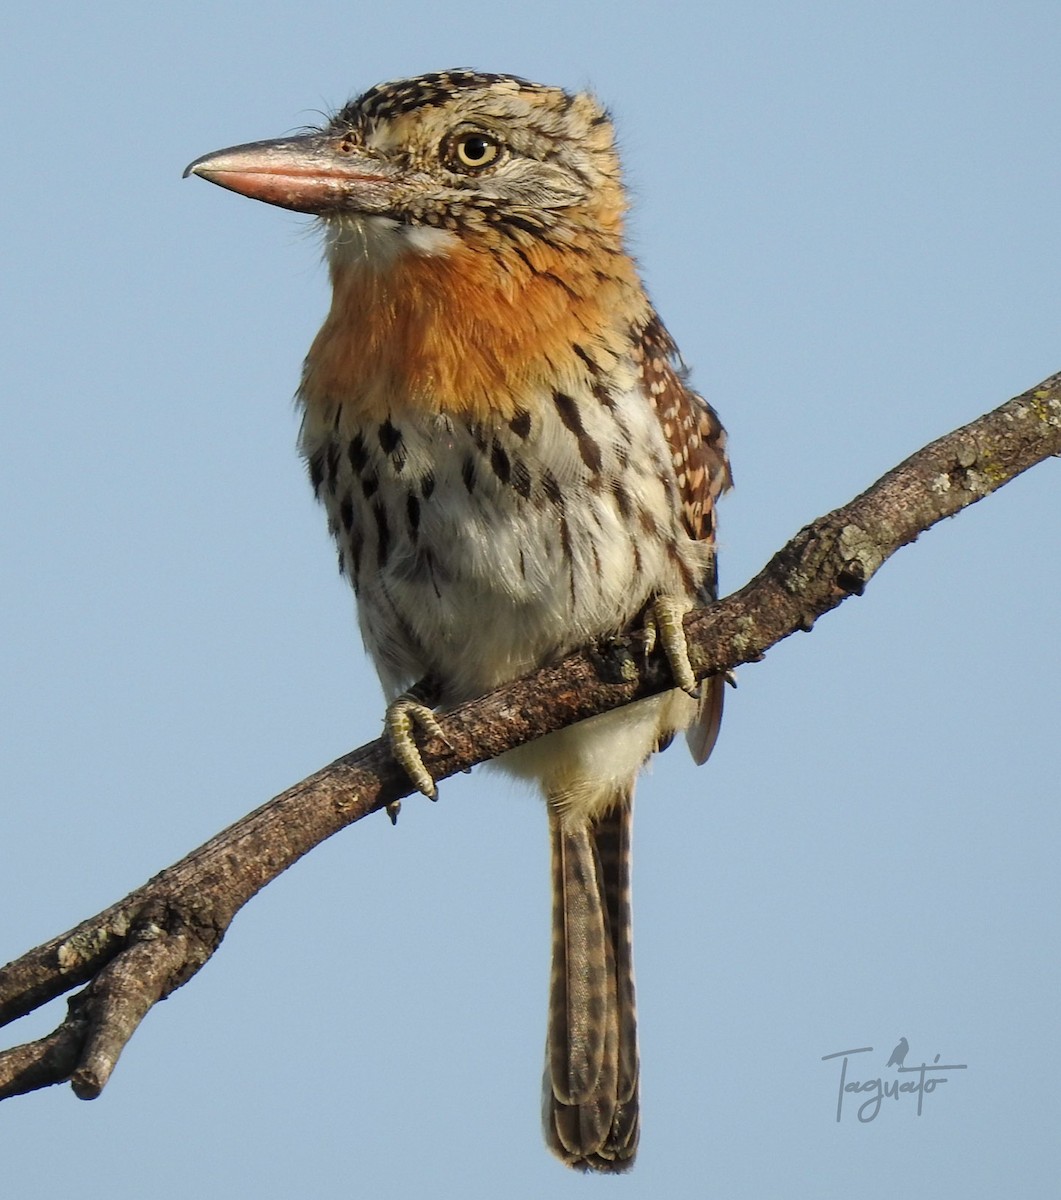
{"x":139,"y":950}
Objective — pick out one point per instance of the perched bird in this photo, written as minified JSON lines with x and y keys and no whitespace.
{"x":513,"y":465}
{"x":899,"y":1054}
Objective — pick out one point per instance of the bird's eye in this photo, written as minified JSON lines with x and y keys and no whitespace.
{"x":473,"y":151}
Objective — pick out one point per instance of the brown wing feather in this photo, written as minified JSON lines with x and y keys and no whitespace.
{"x":691,"y":426}
{"x":697,"y":444}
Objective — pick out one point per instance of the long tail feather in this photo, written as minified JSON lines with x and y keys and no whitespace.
{"x":590,"y":1101}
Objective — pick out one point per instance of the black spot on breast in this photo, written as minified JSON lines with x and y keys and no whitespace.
{"x":383,"y":534}
{"x":389,"y":437}
{"x":346,"y":512}
{"x":521,"y":424}
{"x":468,"y":474}
{"x":357,"y":453}
{"x":521,"y":479}
{"x":332,"y":465}
{"x":499,"y":462}
{"x":316,"y":469}
{"x":551,"y":489}
{"x":412,"y":513}
{"x":567,"y":408}
{"x":427,"y":485}
{"x":390,"y":442}
{"x":369,"y":485}
{"x":569,"y":557}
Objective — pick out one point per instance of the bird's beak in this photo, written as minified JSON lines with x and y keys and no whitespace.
{"x":315,"y":173}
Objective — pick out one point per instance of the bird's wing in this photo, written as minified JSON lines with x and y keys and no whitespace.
{"x":697,"y":442}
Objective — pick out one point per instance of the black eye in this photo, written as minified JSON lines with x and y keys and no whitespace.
{"x":473,"y":151}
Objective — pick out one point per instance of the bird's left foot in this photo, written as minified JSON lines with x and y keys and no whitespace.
{"x":663,"y":624}
{"x":406,"y":719}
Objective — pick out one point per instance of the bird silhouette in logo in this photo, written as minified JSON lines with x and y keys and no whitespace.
{"x":899,"y":1053}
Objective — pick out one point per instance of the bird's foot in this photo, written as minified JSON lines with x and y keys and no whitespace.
{"x":663,"y":624}
{"x":405,"y":719}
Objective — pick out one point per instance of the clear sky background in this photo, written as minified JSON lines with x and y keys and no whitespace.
{"x":848,"y":215}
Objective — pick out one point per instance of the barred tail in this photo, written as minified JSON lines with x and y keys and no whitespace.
{"x":590,"y":1103}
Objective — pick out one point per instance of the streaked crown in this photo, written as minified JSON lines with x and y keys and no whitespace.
{"x":488,"y":148}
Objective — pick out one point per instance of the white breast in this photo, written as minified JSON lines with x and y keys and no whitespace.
{"x":481,"y":550}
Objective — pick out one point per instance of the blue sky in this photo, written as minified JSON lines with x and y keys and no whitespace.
{"x":847,"y":216}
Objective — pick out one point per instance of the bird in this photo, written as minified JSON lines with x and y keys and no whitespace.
{"x":899,"y":1054}
{"x":513,"y":465}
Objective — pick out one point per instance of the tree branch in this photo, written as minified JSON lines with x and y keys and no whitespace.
{"x":144,"y":947}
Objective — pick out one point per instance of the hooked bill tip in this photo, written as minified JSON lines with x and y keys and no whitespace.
{"x":193,"y":168}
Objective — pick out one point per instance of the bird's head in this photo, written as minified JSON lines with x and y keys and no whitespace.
{"x":489,"y":160}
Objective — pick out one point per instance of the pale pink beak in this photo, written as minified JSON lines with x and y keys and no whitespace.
{"x":313,"y":173}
